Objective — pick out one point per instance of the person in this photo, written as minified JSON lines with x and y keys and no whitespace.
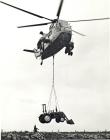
{"x":43,"y":39}
{"x":35,"y":129}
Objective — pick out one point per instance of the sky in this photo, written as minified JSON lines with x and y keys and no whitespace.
{"x":81,"y":81}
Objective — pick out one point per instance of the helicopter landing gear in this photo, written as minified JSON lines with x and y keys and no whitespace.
{"x":69,"y":48}
{"x":70,"y":53}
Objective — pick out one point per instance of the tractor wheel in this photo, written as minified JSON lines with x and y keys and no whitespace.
{"x":62,"y":119}
{"x":41,"y":118}
{"x":47,"y":118}
{"x":57,"y":119}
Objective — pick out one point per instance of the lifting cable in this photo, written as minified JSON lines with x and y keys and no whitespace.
{"x":53,"y":92}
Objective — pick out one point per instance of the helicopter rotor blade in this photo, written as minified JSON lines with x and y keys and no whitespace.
{"x":33,"y":25}
{"x":25,"y":11}
{"x":90,"y":19}
{"x":78,"y":33}
{"x":59,"y":9}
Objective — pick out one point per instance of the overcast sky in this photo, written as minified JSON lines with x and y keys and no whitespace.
{"x":82,"y":81}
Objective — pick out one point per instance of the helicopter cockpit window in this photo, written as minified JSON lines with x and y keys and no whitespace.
{"x":58,"y":26}
{"x":51,"y":26}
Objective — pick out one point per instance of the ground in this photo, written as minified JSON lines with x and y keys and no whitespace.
{"x":55,"y":135}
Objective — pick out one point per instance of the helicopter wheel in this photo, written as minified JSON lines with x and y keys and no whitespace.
{"x":71,"y":53}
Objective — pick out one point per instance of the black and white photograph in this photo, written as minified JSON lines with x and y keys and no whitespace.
{"x":55,"y":69}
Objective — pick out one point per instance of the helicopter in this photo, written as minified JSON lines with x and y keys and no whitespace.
{"x":58,"y":37}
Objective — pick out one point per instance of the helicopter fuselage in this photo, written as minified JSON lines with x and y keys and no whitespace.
{"x":58,"y":37}
{"x":60,"y":34}
{"x":59,"y":43}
